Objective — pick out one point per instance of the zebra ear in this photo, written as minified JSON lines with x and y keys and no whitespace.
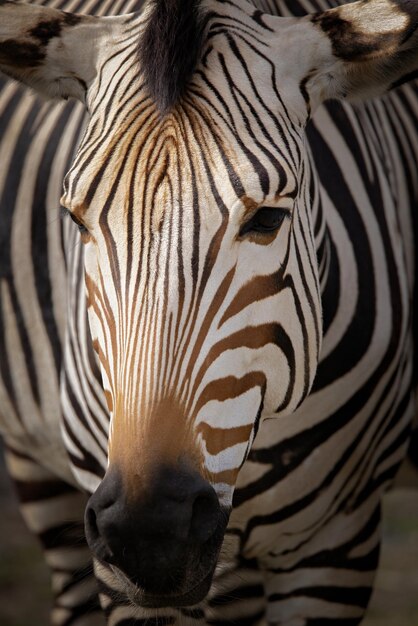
{"x":361,"y":49}
{"x":51,"y":51}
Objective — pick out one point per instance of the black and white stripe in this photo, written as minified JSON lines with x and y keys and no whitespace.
{"x":302,"y":544}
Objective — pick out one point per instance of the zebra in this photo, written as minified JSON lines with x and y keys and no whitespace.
{"x":218,"y":367}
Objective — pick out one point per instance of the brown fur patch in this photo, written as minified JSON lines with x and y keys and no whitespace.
{"x":46,"y":30}
{"x":159,"y":435}
{"x":218,"y":439}
{"x":109,"y":400}
{"x":20,"y":54}
{"x":348,"y":28}
{"x":250,"y":204}
{"x":229,"y":477}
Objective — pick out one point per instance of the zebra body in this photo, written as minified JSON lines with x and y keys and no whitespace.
{"x":303,"y":536}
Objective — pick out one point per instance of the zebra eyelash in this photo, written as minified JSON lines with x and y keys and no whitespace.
{"x":65,"y":213}
{"x":266,"y":220}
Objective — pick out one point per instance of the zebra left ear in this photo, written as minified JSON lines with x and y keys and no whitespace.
{"x":360,"y":50}
{"x":53,"y":52}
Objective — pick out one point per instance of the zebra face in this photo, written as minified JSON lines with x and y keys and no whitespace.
{"x":191,"y":189}
{"x":202,"y":296}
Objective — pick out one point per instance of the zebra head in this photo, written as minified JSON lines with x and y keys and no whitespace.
{"x":194,"y":196}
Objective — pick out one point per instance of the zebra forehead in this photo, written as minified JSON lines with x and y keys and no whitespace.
{"x":158,"y":165}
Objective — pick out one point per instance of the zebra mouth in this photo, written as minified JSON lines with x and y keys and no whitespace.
{"x":182,"y":596}
{"x":191,"y":597}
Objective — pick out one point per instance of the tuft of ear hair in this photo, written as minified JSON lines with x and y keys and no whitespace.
{"x":170,"y":49}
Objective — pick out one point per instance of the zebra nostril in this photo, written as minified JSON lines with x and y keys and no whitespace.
{"x":94,"y":539}
{"x":91,"y":524}
{"x":205,"y":516}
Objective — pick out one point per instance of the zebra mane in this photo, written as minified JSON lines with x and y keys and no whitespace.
{"x":170,"y":49}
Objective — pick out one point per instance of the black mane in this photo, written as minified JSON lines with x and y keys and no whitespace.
{"x":170,"y":49}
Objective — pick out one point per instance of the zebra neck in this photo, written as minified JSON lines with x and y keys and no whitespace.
{"x":119,"y":7}
{"x":103,"y":7}
{"x":294,"y":7}
{"x":329,"y":281}
{"x":327,"y":258}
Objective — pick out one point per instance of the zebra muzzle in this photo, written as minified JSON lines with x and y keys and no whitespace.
{"x":165,"y":540}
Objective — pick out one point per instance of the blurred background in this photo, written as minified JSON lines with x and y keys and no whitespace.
{"x":24,"y":578}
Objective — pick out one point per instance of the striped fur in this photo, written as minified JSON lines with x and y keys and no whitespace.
{"x":186,"y":319}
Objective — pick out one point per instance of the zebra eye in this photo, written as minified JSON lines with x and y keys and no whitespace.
{"x":266,"y":220}
{"x":83,"y":230}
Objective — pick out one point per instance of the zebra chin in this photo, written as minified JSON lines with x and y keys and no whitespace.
{"x":163,"y":545}
{"x":139,"y":597}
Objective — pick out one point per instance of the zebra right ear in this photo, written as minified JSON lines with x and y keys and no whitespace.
{"x":355,"y":51}
{"x":53,"y":52}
